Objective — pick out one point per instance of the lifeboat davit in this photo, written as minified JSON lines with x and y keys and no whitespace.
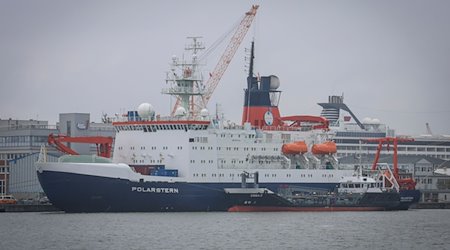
{"x":297,"y":147}
{"x":325,"y":148}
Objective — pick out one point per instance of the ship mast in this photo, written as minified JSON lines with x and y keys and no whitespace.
{"x":186,"y":81}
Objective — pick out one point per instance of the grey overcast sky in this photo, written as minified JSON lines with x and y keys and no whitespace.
{"x":391,"y":59}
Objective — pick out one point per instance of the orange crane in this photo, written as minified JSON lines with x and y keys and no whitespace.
{"x":104,"y":144}
{"x":224,"y":60}
{"x":404,"y":183}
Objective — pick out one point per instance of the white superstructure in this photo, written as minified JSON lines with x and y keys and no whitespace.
{"x":350,"y":134}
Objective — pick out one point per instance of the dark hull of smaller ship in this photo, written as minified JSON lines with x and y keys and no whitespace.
{"x":408,"y":198}
{"x":271,"y":202}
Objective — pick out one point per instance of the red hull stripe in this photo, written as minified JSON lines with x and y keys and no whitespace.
{"x":301,"y":209}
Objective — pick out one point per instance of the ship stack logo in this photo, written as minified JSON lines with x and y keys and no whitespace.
{"x":155,"y":190}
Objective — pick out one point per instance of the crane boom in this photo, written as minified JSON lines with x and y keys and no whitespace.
{"x":229,"y":53}
{"x":104,"y":144}
{"x":405,"y":183}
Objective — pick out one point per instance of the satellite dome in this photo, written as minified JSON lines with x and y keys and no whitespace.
{"x":204,"y":112}
{"x":180,"y":111}
{"x":274,"y":82}
{"x":367,"y":120}
{"x":145,"y":110}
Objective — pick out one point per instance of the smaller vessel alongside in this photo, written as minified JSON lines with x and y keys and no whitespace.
{"x":354,"y":193}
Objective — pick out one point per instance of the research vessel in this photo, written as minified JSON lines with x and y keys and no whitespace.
{"x":186,"y":161}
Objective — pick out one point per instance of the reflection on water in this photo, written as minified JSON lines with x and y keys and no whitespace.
{"x":413,"y":229}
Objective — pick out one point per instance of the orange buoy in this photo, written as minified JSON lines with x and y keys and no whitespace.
{"x":297,"y":147}
{"x":328,"y":147}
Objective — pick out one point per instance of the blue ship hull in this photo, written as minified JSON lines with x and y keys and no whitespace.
{"x":408,"y":197}
{"x":83,"y":193}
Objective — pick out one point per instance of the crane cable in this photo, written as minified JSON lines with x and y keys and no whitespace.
{"x":220,"y":40}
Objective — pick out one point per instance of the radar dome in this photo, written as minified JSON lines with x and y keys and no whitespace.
{"x":180,"y":111}
{"x":204,"y":112}
{"x":367,"y":120}
{"x":145,"y":110}
{"x":274,"y":82}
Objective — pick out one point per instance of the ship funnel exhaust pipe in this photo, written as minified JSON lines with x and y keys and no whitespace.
{"x":261,"y":98}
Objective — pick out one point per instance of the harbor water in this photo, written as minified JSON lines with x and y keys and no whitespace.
{"x":413,"y":229}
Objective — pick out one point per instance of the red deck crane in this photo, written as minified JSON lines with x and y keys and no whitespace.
{"x":404,"y":183}
{"x":104,"y":144}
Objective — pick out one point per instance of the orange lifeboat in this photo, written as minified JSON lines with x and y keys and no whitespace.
{"x":325,"y":148}
{"x":298,"y":147}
